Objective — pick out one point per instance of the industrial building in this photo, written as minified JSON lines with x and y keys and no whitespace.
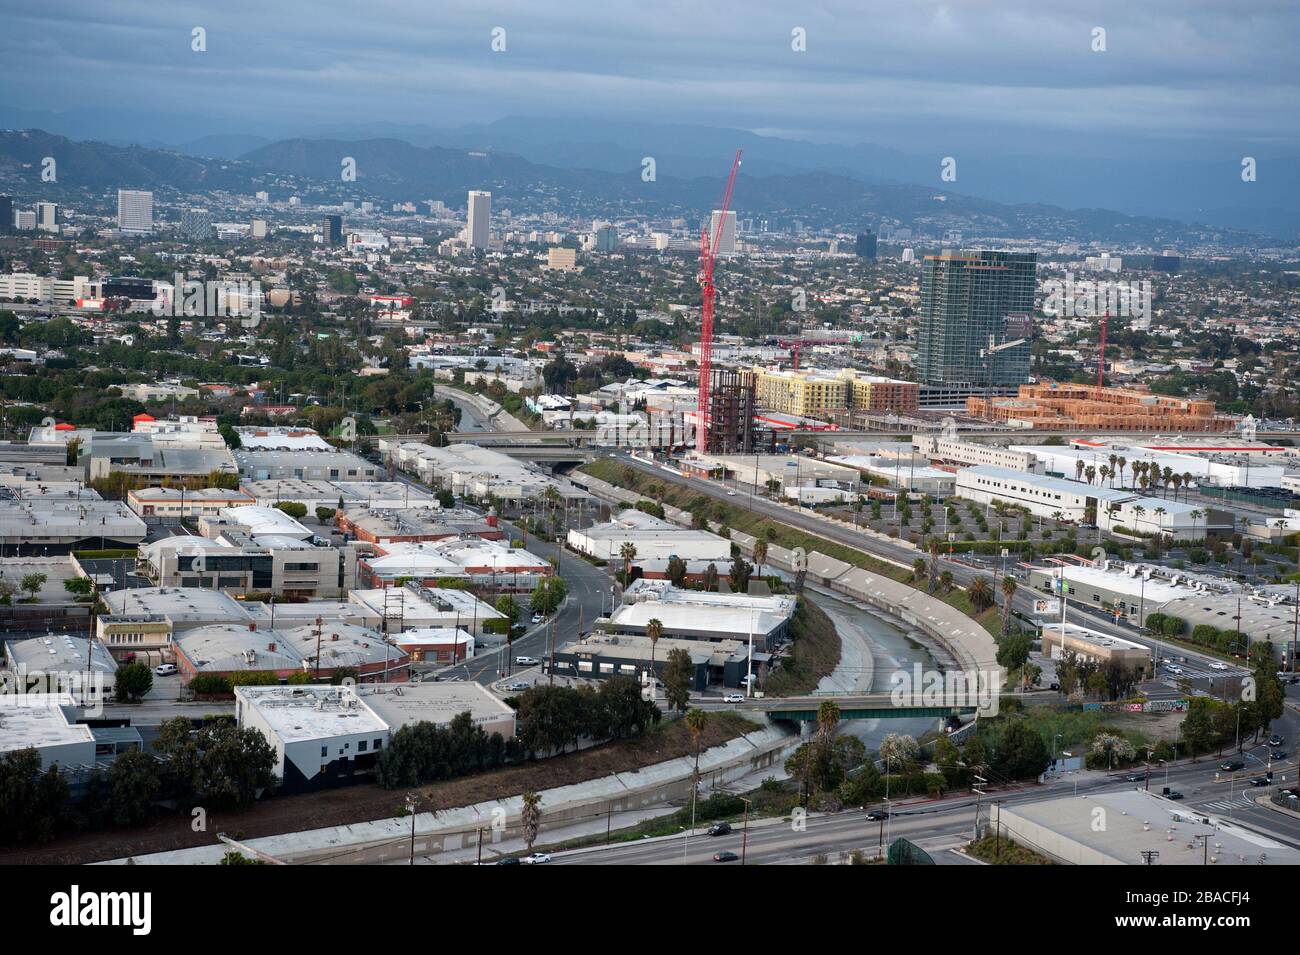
{"x":1108,"y":508}
{"x":470,"y":471}
{"x":81,"y":668}
{"x":1097,"y":647}
{"x":324,"y":734}
{"x":60,"y":524}
{"x":484,"y":563}
{"x":651,"y":536}
{"x":412,"y":607}
{"x":413,"y":525}
{"x":601,"y":656}
{"x":170,"y":504}
{"x":47,"y":724}
{"x":951,"y":451}
{"x":1223,"y":463}
{"x":1142,"y":828}
{"x":700,"y":615}
{"x":232,"y":649}
{"x":1055,"y":406}
{"x":388,"y":495}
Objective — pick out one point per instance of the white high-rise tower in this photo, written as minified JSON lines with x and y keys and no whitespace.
{"x":727,"y":240}
{"x":478,"y":221}
{"x":134,"y":210}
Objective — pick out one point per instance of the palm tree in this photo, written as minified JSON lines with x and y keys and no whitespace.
{"x":1195,"y":515}
{"x":1159,"y":512}
{"x":760,"y":554}
{"x":945,"y":579}
{"x":1008,"y":592}
{"x":934,"y":565}
{"x":627,"y":551}
{"x":530,"y":819}
{"x":1090,"y":472}
{"x":1187,"y":483}
{"x":1078,"y":469}
{"x":1138,"y":512}
{"x":696,"y":719}
{"x":828,"y":716}
{"x":1123,"y":463}
{"x":1167,"y":475}
{"x":1104,"y":472}
{"x":981,"y":594}
{"x":1178,"y":482}
{"x":1112,"y":460}
{"x":654,"y":629}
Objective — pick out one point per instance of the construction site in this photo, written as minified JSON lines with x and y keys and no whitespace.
{"x":1053,"y":406}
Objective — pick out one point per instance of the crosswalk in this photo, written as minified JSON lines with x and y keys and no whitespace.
{"x":1239,"y":801}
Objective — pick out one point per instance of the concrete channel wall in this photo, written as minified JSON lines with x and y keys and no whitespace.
{"x":389,"y":840}
{"x":969,"y":643}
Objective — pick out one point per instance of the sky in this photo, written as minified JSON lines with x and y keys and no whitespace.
{"x":1176,"y":76}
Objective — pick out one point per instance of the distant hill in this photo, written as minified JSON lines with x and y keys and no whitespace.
{"x":395,"y":169}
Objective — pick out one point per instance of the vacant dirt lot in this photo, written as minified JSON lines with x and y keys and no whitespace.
{"x":363,"y":802}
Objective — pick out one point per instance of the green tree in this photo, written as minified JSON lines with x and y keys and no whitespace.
{"x":134,"y":784}
{"x":295,"y":509}
{"x":679,"y":674}
{"x":530,"y":818}
{"x":132,"y":682}
{"x":32,"y":583}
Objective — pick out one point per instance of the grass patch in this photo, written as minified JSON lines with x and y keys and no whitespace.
{"x":1004,"y":851}
{"x":814,"y":653}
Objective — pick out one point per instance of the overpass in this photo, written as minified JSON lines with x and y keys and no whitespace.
{"x":869,"y":706}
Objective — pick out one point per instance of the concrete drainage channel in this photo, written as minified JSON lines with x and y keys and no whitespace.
{"x":457,"y":831}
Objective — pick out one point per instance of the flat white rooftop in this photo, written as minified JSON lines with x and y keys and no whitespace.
{"x":38,"y":720}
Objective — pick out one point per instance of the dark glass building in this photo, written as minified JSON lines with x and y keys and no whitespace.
{"x":332,"y":230}
{"x":866,"y":245}
{"x":974,"y":305}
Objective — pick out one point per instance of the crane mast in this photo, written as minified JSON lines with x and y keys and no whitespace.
{"x":708,"y":257}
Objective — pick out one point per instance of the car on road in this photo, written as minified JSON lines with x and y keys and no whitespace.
{"x":1275,"y":740}
{"x":536,"y":858}
{"x":1260,"y":781}
{"x":526,"y":661}
{"x":719,"y":829}
{"x":1277,"y":754}
{"x":517,"y":687}
{"x":537,"y":618}
{"x":875,"y":815}
{"x":725,"y":857}
{"x":509,"y":860}
{"x":734,"y":698}
{"x":1174,"y":669}
{"x":1232,"y":765}
{"x":1173,"y":794}
{"x":1218,"y":666}
{"x":165,"y":669}
{"x":1134,"y":778}
{"x":731,"y":494}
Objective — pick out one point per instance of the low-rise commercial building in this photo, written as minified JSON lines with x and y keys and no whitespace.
{"x":415,"y":524}
{"x":324,"y":734}
{"x":169,"y":504}
{"x":601,"y":656}
{"x":1096,"y":647}
{"x":651,"y":536}
{"x":700,"y":615}
{"x":484,"y":563}
{"x":47,"y":724}
{"x":412,"y":607}
{"x":78,"y":667}
{"x":59,"y":524}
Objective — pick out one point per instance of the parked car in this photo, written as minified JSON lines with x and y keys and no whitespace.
{"x":537,"y":618}
{"x":517,"y":687}
{"x":526,"y":661}
{"x":1232,"y":765}
{"x":509,"y":860}
{"x":719,"y":829}
{"x":734,"y":698}
{"x":165,"y":669}
{"x":725,"y":857}
{"x":536,"y":858}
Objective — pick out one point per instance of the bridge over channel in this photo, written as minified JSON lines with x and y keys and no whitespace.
{"x":868,"y":706}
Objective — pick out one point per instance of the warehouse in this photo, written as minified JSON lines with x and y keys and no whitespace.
{"x":651,"y":536}
{"x":324,"y":734}
{"x":697,"y":615}
{"x":601,"y":656}
{"x":43,"y":723}
{"x":1097,"y":647}
{"x":485,"y":563}
{"x":60,"y":664}
{"x":229,"y":649}
{"x":43,"y":524}
{"x":379,"y":526}
{"x":415,"y":608}
{"x":333,"y":494}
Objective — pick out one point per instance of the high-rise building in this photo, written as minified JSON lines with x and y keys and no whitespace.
{"x":866,"y":245}
{"x":196,"y":224}
{"x":331,"y":230}
{"x":257,"y":228}
{"x":6,"y":214}
{"x":727,"y":237}
{"x":605,"y":239}
{"x":47,"y":216}
{"x":976,"y":317}
{"x":135,"y":211}
{"x":478,"y":221}
{"x":24,"y":220}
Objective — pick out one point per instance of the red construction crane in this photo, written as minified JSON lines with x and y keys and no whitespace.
{"x":1101,"y":350}
{"x":708,"y":256}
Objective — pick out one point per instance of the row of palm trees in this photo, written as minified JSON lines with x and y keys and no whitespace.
{"x":1146,"y":474}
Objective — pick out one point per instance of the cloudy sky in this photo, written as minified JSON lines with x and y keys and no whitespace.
{"x":1218,"y":77}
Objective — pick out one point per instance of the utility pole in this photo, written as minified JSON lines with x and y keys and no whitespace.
{"x":980,"y":781}
{"x":412,"y":800}
{"x":744,"y":832}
